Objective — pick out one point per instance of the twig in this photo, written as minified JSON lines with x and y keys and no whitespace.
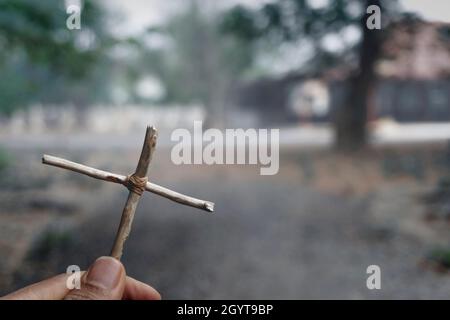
{"x":133,"y":197}
{"x":121,"y":179}
{"x":136,"y":184}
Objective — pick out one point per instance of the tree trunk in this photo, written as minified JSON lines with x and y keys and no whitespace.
{"x":351,"y":119}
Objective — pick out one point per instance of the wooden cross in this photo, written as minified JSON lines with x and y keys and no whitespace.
{"x":137,"y":183}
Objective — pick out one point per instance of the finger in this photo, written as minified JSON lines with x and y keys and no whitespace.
{"x":51,"y":289}
{"x":105,"y":280}
{"x":137,"y":290}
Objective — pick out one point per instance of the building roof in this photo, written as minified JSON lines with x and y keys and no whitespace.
{"x":416,"y":50}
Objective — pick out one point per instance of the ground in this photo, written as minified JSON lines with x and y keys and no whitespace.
{"x":309,"y":232}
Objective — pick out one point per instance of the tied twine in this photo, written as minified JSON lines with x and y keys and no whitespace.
{"x":136,"y":184}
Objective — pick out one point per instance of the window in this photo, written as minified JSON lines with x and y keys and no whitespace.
{"x":438,"y":101}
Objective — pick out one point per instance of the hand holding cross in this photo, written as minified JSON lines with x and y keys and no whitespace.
{"x":137,"y":183}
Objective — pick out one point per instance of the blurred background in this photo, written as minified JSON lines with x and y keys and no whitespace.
{"x":364,"y":119}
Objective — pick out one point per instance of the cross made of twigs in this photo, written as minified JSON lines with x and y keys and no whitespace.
{"x":136,"y":183}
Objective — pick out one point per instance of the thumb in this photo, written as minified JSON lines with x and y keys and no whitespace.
{"x":105,"y":280}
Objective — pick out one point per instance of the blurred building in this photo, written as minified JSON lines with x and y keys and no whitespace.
{"x":39,"y":119}
{"x":413,"y":83}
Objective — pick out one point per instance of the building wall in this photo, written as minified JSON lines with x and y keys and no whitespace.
{"x":403,"y":100}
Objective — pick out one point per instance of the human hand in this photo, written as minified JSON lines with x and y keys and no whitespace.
{"x":104,"y":280}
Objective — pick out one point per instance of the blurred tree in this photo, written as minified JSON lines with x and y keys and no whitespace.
{"x":45,"y":62}
{"x":197,"y":63}
{"x":287,"y":21}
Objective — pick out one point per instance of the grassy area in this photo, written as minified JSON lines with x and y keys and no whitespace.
{"x":5,"y":159}
{"x":440,"y":258}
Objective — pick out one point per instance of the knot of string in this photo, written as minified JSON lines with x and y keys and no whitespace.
{"x":136,"y":184}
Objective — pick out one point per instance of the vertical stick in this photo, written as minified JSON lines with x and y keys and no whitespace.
{"x":133,"y":197}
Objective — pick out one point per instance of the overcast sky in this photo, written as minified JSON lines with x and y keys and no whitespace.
{"x":137,"y":14}
{"x":436,"y":10}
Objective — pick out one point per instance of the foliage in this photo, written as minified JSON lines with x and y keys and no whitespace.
{"x":51,"y":241}
{"x":5,"y":159}
{"x":197,"y":63}
{"x":440,"y":256}
{"x":303,"y":22}
{"x":45,"y":62}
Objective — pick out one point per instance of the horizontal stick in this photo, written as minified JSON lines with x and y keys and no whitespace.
{"x":117,"y":178}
